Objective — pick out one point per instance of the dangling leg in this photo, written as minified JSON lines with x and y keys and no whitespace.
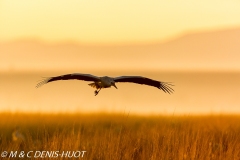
{"x":97,"y":91}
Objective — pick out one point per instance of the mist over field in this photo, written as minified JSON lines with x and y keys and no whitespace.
{"x":203,"y":66}
{"x":195,"y":93}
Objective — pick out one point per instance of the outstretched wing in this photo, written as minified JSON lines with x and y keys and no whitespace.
{"x":143,"y":80}
{"x":78,"y":76}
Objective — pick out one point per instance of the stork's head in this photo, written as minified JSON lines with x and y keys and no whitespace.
{"x":113,"y":84}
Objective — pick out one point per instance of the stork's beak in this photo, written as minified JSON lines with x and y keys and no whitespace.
{"x":114,"y":85}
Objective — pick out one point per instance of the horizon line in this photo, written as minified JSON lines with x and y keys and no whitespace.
{"x":120,"y":43}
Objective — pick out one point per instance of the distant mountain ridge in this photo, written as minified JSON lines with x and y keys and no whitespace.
{"x":215,"y":50}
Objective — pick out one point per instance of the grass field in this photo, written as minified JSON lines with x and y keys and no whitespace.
{"x":123,"y":136}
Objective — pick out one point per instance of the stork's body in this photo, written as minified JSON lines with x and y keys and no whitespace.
{"x":104,"y":82}
{"x":107,"y":82}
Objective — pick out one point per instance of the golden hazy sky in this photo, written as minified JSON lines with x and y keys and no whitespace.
{"x":111,"y":21}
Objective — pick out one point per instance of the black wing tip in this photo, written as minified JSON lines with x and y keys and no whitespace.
{"x":165,"y":86}
{"x":42,"y":82}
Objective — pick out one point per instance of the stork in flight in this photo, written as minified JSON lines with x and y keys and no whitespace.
{"x":107,"y":82}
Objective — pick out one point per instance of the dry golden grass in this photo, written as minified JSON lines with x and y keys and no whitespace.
{"x":122,"y":136}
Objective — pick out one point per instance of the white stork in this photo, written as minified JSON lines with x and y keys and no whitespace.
{"x":107,"y":82}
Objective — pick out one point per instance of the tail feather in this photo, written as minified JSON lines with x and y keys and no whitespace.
{"x":94,"y":85}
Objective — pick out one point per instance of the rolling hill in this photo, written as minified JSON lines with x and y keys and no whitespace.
{"x":211,"y":50}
